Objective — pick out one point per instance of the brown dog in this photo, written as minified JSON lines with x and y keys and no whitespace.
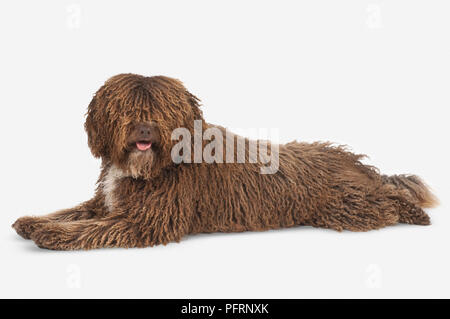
{"x":147,"y":197}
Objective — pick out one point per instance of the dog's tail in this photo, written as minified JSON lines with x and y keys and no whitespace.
{"x":414,"y":195}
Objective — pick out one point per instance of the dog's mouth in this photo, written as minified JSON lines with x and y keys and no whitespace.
{"x":143,"y":145}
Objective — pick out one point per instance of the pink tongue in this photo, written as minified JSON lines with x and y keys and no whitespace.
{"x":143,"y":146}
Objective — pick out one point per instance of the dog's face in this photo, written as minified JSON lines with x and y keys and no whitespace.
{"x":131,"y":118}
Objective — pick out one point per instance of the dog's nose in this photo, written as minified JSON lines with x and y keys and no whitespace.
{"x":143,"y":130}
{"x":147,"y":132}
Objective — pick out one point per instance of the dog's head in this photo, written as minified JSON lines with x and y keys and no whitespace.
{"x":131,"y":118}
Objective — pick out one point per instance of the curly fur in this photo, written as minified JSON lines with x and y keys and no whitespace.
{"x":145,"y":199}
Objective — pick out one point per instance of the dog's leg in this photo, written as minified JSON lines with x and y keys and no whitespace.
{"x":101,"y":233}
{"x":412,"y":214}
{"x":128,"y":229}
{"x":141,"y":219}
{"x":26,"y":225}
{"x":357,"y":211}
{"x":86,"y":234}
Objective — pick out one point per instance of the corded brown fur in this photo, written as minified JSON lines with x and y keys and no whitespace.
{"x":143,"y":198}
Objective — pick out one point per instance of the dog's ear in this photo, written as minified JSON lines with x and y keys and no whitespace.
{"x":96,"y":139}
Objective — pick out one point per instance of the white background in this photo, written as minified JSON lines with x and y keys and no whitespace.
{"x":371,"y":74}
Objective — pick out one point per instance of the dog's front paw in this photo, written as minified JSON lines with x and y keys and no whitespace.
{"x":56,"y":236}
{"x":25,"y":226}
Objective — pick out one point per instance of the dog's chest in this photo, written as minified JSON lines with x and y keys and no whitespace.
{"x":109,"y":185}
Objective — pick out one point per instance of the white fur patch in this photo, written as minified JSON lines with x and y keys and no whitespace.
{"x":109,"y":184}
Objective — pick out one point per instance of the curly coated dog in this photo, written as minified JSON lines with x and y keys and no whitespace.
{"x":150,"y":192}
